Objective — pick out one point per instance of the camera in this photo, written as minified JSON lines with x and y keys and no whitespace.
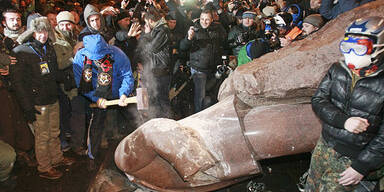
{"x":223,"y":69}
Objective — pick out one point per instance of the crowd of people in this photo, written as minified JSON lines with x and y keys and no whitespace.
{"x":58,"y":57}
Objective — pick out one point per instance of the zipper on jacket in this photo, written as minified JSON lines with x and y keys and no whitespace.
{"x":351,"y":87}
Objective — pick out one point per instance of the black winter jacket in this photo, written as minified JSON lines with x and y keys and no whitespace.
{"x":31,"y":86}
{"x":159,"y":49}
{"x":206,"y":47}
{"x":127,"y":45}
{"x":336,"y":100}
{"x":239,"y":35}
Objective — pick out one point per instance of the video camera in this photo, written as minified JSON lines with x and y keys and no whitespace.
{"x":224,"y":68}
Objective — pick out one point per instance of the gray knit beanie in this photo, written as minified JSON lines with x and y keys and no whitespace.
{"x":315,"y":20}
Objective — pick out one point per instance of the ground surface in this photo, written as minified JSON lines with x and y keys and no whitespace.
{"x":75,"y":178}
{"x":281,"y":175}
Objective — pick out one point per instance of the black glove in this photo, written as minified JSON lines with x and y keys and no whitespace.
{"x":30,"y":115}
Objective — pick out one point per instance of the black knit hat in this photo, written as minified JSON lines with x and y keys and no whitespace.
{"x":170,"y":16}
{"x":123,"y":14}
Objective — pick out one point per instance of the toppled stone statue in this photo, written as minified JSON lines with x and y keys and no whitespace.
{"x":264,"y":112}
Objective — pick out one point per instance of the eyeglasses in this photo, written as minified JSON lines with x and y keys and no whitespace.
{"x":359,"y":46}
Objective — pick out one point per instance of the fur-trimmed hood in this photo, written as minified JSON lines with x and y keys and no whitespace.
{"x":36,"y":23}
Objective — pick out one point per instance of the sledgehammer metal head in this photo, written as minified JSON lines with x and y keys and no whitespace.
{"x":142,"y":98}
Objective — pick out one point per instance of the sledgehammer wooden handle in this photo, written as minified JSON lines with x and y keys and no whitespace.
{"x":141,"y":99}
{"x":116,"y":101}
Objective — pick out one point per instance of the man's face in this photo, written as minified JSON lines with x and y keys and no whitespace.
{"x":247,"y":22}
{"x":52,"y":19}
{"x":41,"y":36}
{"x":66,"y":26}
{"x":94,"y":22}
{"x":205,"y":20}
{"x":308,"y":28}
{"x":171,"y":24}
{"x":12,"y":21}
{"x":124,"y":23}
{"x":315,"y":4}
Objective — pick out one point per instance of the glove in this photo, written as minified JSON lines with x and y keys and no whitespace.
{"x":30,"y":115}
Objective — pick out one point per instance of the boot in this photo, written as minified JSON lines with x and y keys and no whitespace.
{"x":67,"y":161}
{"x":51,"y":174}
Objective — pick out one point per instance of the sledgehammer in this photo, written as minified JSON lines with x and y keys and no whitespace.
{"x":141,"y":99}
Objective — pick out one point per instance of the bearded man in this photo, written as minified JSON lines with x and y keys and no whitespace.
{"x":13,"y":128}
{"x":64,"y":43}
{"x":12,"y":27}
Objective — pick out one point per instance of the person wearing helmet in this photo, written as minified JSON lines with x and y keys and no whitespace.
{"x":349,"y":102}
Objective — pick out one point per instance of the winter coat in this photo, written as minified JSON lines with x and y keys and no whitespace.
{"x":336,"y":100}
{"x":4,"y":61}
{"x":206,"y":47}
{"x":32,"y":86}
{"x":64,"y":52}
{"x":239,"y":35}
{"x":252,"y":50}
{"x":158,"y":48}
{"x":126,"y":44}
{"x":96,"y":48}
{"x":330,"y":11}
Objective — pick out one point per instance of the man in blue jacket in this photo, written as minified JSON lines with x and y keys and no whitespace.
{"x":102,"y":72}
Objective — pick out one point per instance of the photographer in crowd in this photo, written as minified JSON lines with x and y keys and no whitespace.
{"x":275,"y":28}
{"x":205,"y":41}
{"x":241,"y":34}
